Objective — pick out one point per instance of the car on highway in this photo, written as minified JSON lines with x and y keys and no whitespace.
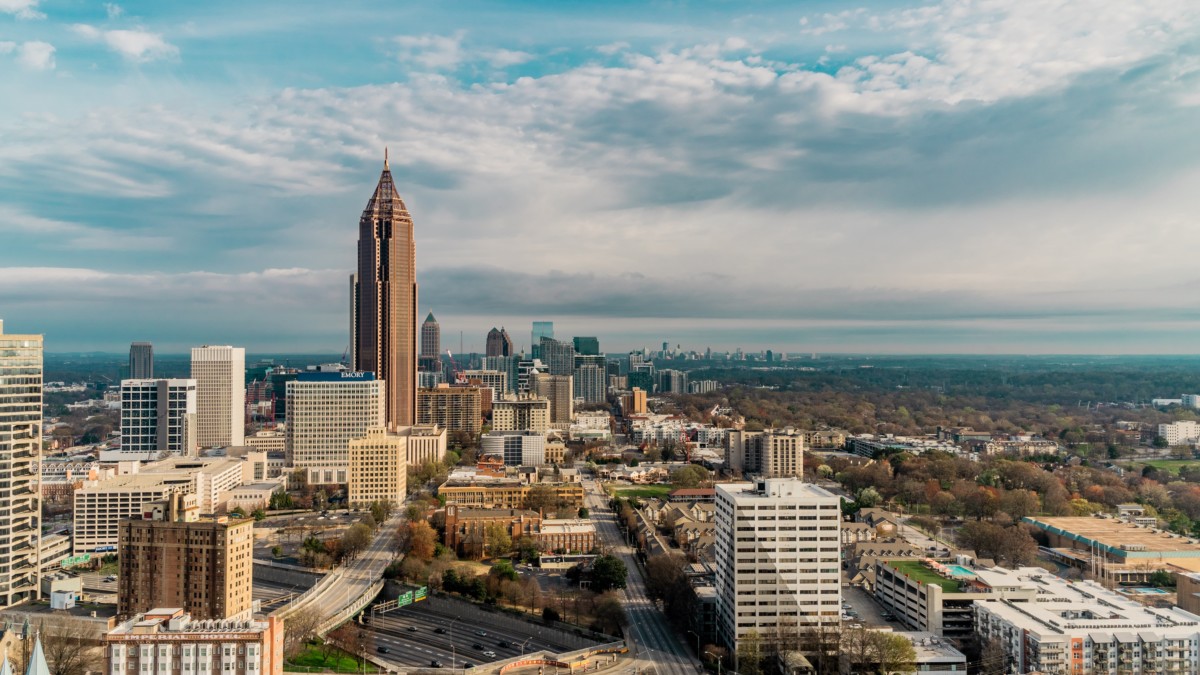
{"x":111,"y":577}
{"x":439,"y":630}
{"x":490,"y":654}
{"x":503,"y":643}
{"x":481,"y":633}
{"x":382,"y":650}
{"x":435,"y":664}
{"x":468,"y":665}
{"x":411,"y":629}
{"x":477,"y":647}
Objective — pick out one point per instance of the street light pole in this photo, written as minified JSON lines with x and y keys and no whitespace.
{"x":718,"y":661}
{"x":525,"y":643}
{"x":453,"y":649}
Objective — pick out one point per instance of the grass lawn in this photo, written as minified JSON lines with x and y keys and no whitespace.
{"x":922,"y":574}
{"x":109,"y":568}
{"x":1172,"y":465}
{"x":311,"y":660}
{"x":643,"y":491}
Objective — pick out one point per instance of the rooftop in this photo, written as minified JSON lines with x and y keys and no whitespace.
{"x":931,"y":649}
{"x":1120,"y":538}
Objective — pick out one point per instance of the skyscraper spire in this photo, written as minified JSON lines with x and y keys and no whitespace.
{"x":385,"y":159}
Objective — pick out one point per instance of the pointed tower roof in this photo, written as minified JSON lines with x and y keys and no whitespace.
{"x":386,"y":200}
{"x":6,"y":667}
{"x":430,"y":319}
{"x":37,"y":661}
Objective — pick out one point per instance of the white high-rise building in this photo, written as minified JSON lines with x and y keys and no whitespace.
{"x":325,"y":411}
{"x":157,"y":416}
{"x":777,"y":560}
{"x":220,"y":375}
{"x":1186,"y":432}
{"x":20,"y":452}
{"x":518,"y":448}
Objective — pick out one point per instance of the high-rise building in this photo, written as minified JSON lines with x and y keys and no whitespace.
{"x":499,"y":343}
{"x":777,"y":547}
{"x":220,"y":375}
{"x":634,"y":403}
{"x":158,"y":416}
{"x":517,"y":448}
{"x":431,"y":337}
{"x":541,"y":329}
{"x":384,"y":302}
{"x":326,"y":410}
{"x":591,"y":378}
{"x":521,"y":413}
{"x":559,"y":390}
{"x":672,"y":381}
{"x":495,"y":380}
{"x":773,"y":453}
{"x":172,"y":558}
{"x":588,"y":346}
{"x":141,"y":361}
{"x":525,"y":370}
{"x":20,"y":453}
{"x":379,"y":467}
{"x":452,"y":408}
{"x":559,"y":357}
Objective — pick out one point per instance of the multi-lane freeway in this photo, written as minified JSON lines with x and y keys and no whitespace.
{"x":652,"y":640}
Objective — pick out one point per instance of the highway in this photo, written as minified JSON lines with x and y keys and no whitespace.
{"x":339,"y":589}
{"x":651,"y":639}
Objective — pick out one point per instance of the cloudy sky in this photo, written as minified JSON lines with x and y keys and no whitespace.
{"x":964,"y":176}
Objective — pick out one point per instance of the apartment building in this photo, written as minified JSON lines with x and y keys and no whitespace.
{"x":1185,"y":432}
{"x":452,"y":408}
{"x":171,"y":557}
{"x":521,"y":413}
{"x":559,"y":391}
{"x":517,"y":448}
{"x":777,"y":549}
{"x":379,"y":466}
{"x":1082,"y":628}
{"x":773,"y":453}
{"x":170,"y":642}
{"x":325,"y":411}
{"x":496,"y":380}
{"x":220,"y":375}
{"x":157,"y":417}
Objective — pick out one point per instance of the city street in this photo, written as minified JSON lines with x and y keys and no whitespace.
{"x":651,"y":639}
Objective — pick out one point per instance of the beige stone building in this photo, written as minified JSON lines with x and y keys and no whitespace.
{"x":20,"y":451}
{"x":326,"y":410}
{"x":773,"y":453}
{"x":171,"y":558}
{"x":452,"y":408}
{"x":634,"y":403}
{"x":379,"y":466}
{"x":558,"y":389}
{"x":521,"y":413}
{"x":170,"y":642}
{"x":220,"y":375}
{"x":426,"y":443}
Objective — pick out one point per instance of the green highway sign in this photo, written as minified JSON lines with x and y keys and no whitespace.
{"x":76,"y":560}
{"x":404,"y":599}
{"x":420,"y":593}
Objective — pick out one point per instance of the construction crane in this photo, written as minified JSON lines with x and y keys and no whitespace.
{"x":457,"y":372}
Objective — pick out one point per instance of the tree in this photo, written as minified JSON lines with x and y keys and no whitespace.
{"x":68,"y":650}
{"x":609,"y":614}
{"x":541,"y":498}
{"x":299,"y":627}
{"x":356,"y":539}
{"x":414,"y":512}
{"x":750,"y":654}
{"x":869,"y":497}
{"x":422,"y":541}
{"x":608,"y":572}
{"x":381,"y":510}
{"x":503,"y":569}
{"x":894,"y":653}
{"x":583,"y":512}
{"x":992,"y":659}
{"x":690,"y":476}
{"x":662,"y":572}
{"x":497,"y":540}
{"x":276,"y":551}
{"x":258,"y":515}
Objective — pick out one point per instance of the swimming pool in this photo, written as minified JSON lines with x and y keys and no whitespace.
{"x":959,"y":571}
{"x":1146,"y":591}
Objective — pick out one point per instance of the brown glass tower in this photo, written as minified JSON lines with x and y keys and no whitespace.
{"x":384,"y":302}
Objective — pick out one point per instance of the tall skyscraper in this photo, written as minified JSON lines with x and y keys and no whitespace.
{"x":769,"y":584}
{"x":325,"y":411}
{"x":158,"y":416}
{"x":385,"y":299}
{"x":141,"y":361}
{"x":499,"y":343}
{"x":591,"y":378}
{"x":558,"y":356}
{"x":20,"y":452}
{"x":431,"y":337}
{"x":220,"y":375}
{"x":588,"y":346}
{"x":541,"y":329}
{"x":559,"y":390}
{"x":172,"y":558}
{"x":773,"y":453}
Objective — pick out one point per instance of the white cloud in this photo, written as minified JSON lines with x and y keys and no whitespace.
{"x":22,"y":9}
{"x":36,"y":55}
{"x":113,"y":10}
{"x":7,"y":47}
{"x":136,"y":45}
{"x":436,"y":52}
{"x":502,"y":58}
{"x":613,"y":48}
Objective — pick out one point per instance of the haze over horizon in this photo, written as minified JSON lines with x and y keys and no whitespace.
{"x":898,"y":177}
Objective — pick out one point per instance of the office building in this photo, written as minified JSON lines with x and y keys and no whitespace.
{"x":456,"y":409}
{"x":643,"y":377}
{"x":541,"y":329}
{"x":1083,"y":628}
{"x":518,"y":448}
{"x":167,"y":641}
{"x":777,"y":546}
{"x":672,"y":381}
{"x":378,"y":467}
{"x":591,"y":378}
{"x":499,"y":343}
{"x":773,"y":453}
{"x":587,"y":346}
{"x":525,"y":370}
{"x":158,"y":417}
{"x":326,"y":410}
{"x":523,"y":412}
{"x":506,"y":365}
{"x":559,"y":390}
{"x":141,"y":361}
{"x":634,"y":403}
{"x":220,"y":375}
{"x":20,"y":453}
{"x":170,"y":557}
{"x":1185,"y":432}
{"x":431,"y":337}
{"x":384,"y":299}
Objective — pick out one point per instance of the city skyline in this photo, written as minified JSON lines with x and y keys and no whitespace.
{"x":895,"y":178}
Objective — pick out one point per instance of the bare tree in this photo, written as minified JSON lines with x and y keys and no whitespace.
{"x":299,"y":628}
{"x":71,"y":649}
